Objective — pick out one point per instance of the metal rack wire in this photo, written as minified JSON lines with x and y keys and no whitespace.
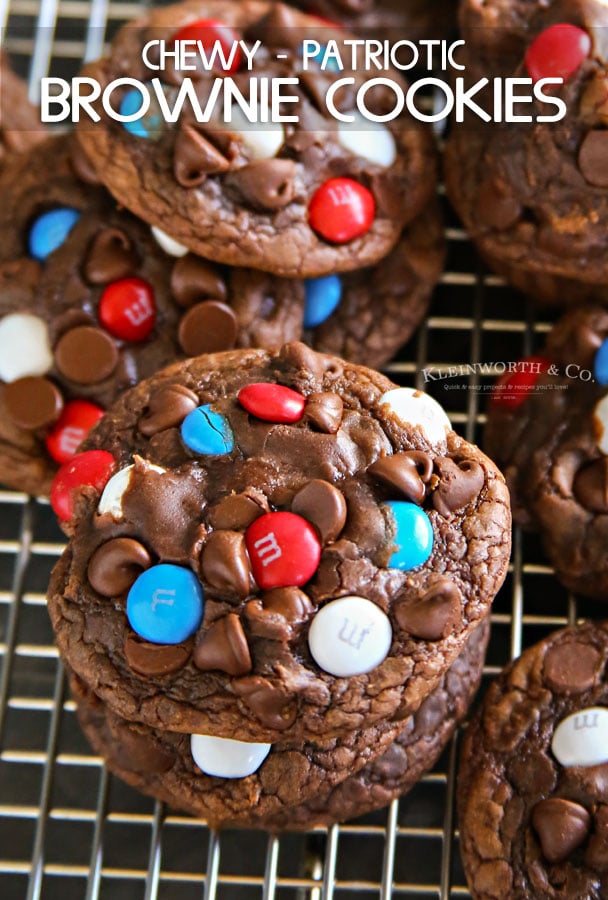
{"x":70,"y":831}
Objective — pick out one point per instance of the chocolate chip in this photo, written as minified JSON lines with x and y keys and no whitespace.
{"x":435,"y":615}
{"x":267,"y":183}
{"x":593,"y":158}
{"x":237,"y":511}
{"x":277,"y":614}
{"x":224,"y":647}
{"x":495,"y":207}
{"x":225,"y":564}
{"x":193,"y":279}
{"x":155,"y":659}
{"x":590,"y":486}
{"x":141,"y":752}
{"x":33,"y":402}
{"x":324,"y":411}
{"x":407,"y":473}
{"x":208,"y":327}
{"x":571,"y":667}
{"x":116,"y":564}
{"x":459,"y":484}
{"x":194,"y":158}
{"x":279,"y":28}
{"x":270,"y":704}
{"x":86,"y":355}
{"x":561,"y":826}
{"x":167,"y":407}
{"x":110,"y":256}
{"x":323,"y":505}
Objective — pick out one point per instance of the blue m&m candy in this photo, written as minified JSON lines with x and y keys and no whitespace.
{"x":50,"y":230}
{"x":165,"y":604}
{"x":600,"y":365}
{"x":150,"y":124}
{"x":413,"y":535}
{"x":208,"y":432}
{"x":322,"y":296}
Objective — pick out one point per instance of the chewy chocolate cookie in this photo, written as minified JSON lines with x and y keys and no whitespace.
{"x":296,"y":786}
{"x":20,"y":125}
{"x":534,"y":195}
{"x":303,"y":199}
{"x":273,"y":545}
{"x":533,"y":806}
{"x":547,"y":427}
{"x":90,"y":304}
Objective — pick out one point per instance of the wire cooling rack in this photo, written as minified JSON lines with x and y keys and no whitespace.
{"x":68,"y":830}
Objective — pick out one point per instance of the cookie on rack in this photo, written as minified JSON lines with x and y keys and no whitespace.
{"x":89,"y":304}
{"x":273,"y":545}
{"x":283,"y":786}
{"x":533,"y":811}
{"x":547,"y":431}
{"x":300,"y":199}
{"x":534,"y":195}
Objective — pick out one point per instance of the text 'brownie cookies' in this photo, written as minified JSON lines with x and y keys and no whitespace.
{"x":533,"y":802}
{"x":273,"y":545}
{"x":295,"y":786}
{"x":547,"y":429}
{"x":300,"y":199}
{"x":533,"y":195}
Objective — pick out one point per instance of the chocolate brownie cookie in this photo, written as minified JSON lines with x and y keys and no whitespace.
{"x":546,"y":429}
{"x":304,"y":199}
{"x":534,"y":195}
{"x":332,"y":542}
{"x":89,"y":304}
{"x":533,"y":807}
{"x":295,"y":786}
{"x":20,"y":125}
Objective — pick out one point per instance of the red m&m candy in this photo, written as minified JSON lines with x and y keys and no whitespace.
{"x":127,"y":309}
{"x":341,"y":210}
{"x":272,"y":402}
{"x":513,"y":388}
{"x":71,"y":428}
{"x":284,"y":550}
{"x":92,"y":468}
{"x":212,"y":33}
{"x":557,"y":52}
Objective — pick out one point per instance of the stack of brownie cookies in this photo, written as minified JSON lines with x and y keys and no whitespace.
{"x":274,"y":601}
{"x":210,"y":237}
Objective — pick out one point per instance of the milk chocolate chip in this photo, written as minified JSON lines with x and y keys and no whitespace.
{"x":225,"y":564}
{"x":155,"y":659}
{"x":571,"y":667}
{"x":407,"y":473}
{"x":116,"y":564}
{"x":435,"y":615}
{"x":237,"y":511}
{"x":270,"y":704}
{"x":590,"y":486}
{"x":495,"y":207}
{"x":459,"y":484}
{"x":194,"y":158}
{"x":194,"y":279}
{"x":561,"y":826}
{"x":267,"y":183}
{"x":224,"y":647}
{"x":110,"y":256}
{"x":593,"y":158}
{"x":167,"y":407}
{"x":208,"y":327}
{"x":33,"y":402}
{"x":324,"y":411}
{"x":277,"y":614}
{"x":86,"y":355}
{"x":324,"y":506}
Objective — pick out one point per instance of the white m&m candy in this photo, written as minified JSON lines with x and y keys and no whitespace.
{"x":370,"y":140}
{"x":262,"y":140}
{"x":226,"y":758}
{"x":110,"y":502}
{"x":416,"y":408}
{"x":25,"y":348}
{"x":350,"y":636}
{"x":582,"y":738}
{"x":166,"y":243}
